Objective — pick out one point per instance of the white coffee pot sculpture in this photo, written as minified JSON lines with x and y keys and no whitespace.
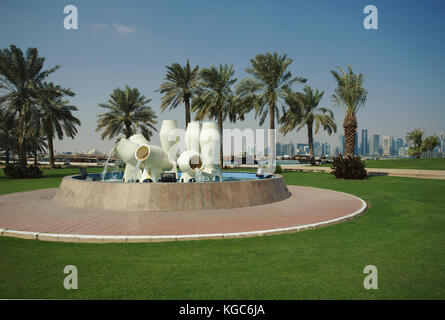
{"x":144,"y":161}
{"x":202,"y":152}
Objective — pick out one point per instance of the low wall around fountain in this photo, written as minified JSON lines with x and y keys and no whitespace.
{"x":170,"y":196}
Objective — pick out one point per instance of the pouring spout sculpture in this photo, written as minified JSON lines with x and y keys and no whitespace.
{"x":202,"y":152}
{"x":145,"y":161}
{"x":209,"y":141}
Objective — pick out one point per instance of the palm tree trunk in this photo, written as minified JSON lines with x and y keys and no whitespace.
{"x":51,"y":151}
{"x":187,"y":111}
{"x":35,"y":158}
{"x":7,"y":156}
{"x":310,"y":141}
{"x":21,"y":140}
{"x":128,"y":132}
{"x":220,"y":122}
{"x":350,"y":126}
{"x":272,"y":146}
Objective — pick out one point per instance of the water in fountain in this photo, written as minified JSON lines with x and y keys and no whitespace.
{"x":199,"y":176}
{"x":104,"y":172}
{"x":117,"y":170}
{"x":135,"y":173}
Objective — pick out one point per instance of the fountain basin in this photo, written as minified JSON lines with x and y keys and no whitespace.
{"x":244,"y":191}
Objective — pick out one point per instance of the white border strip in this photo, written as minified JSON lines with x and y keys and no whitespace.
{"x":149,"y":238}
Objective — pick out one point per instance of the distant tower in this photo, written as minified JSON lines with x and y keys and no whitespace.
{"x":374,"y":144}
{"x":356,"y":151}
{"x":365,"y":144}
{"x":342,"y":144}
{"x":387,"y":145}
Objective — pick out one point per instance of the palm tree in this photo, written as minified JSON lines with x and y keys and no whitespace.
{"x":8,"y":133}
{"x":127,"y":112}
{"x":56,"y":116}
{"x":270,"y":82}
{"x":180,"y":86}
{"x":304,"y":111}
{"x":351,"y":95}
{"x":216,"y":99}
{"x":19,"y":79}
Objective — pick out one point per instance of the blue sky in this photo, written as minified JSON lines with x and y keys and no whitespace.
{"x":130,"y":42}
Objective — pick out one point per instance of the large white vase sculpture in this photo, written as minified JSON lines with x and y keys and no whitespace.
{"x":139,"y":155}
{"x":154,"y":159}
{"x":170,"y":138}
{"x":192,"y":136}
{"x":210,"y":148}
{"x":191,"y":159}
{"x":188,"y":162}
{"x":126,"y":151}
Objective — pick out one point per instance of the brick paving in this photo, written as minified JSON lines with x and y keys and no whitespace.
{"x":36,"y":211}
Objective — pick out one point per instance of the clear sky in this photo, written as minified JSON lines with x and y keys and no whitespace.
{"x":130,"y":42}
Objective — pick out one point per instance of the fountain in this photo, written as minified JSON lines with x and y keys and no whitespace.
{"x":200,"y":184}
{"x":145,"y":162}
{"x":145,"y":197}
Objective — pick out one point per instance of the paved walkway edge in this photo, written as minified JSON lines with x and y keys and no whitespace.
{"x":160,"y":238}
{"x":407,"y":173}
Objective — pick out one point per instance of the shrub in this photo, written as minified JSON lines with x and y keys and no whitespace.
{"x":278,"y":169}
{"x":349,"y":168}
{"x":15,"y":171}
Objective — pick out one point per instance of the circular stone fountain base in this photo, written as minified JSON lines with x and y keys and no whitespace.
{"x":86,"y":194}
{"x":36,"y":215}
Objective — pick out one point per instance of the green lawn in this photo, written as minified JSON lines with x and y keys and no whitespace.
{"x":402,"y":234}
{"x":424,"y":164}
{"x":51,"y":179}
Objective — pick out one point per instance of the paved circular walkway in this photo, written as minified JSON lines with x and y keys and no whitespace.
{"x":34,"y":215}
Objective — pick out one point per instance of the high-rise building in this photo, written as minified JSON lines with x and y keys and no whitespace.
{"x":325,"y":149}
{"x":388,"y":145}
{"x":317,"y":149}
{"x":398,"y":145}
{"x":364,"y":148}
{"x":302,"y":148}
{"x":356,"y":151}
{"x":285,"y":149}
{"x":342,"y":144}
{"x":374,"y":144}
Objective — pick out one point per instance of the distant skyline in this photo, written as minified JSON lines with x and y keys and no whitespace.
{"x":121,"y":43}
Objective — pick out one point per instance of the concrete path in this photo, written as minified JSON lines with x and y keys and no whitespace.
{"x":34,"y":215}
{"x":410,"y":173}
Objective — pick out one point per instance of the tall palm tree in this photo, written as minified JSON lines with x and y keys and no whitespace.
{"x":56,"y":116}
{"x":127,"y":112}
{"x":180,"y":86}
{"x":351,"y":96}
{"x":8,"y":133}
{"x":270,"y":82}
{"x":216,"y":99}
{"x":19,"y":79}
{"x":304,"y":111}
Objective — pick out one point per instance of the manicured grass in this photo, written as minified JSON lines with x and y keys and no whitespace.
{"x":51,"y":179}
{"x":401,"y":234}
{"x":423,"y":164}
